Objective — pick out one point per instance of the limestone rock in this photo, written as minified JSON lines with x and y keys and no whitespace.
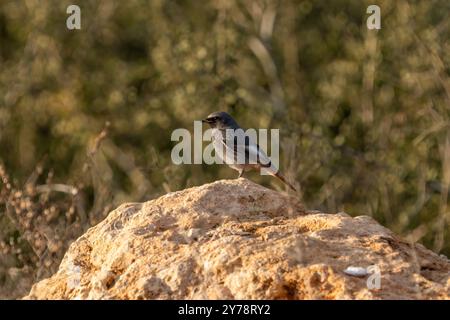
{"x":234,"y":239}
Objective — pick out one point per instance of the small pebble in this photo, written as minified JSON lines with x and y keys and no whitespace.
{"x":356,"y":271}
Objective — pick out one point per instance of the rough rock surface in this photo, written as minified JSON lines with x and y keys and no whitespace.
{"x":234,"y":239}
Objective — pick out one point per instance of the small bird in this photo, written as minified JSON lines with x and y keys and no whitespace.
{"x":228,"y":144}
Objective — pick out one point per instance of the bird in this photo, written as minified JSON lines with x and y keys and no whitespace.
{"x":236,"y":148}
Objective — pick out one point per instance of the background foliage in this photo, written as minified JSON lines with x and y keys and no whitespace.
{"x":86,"y":116}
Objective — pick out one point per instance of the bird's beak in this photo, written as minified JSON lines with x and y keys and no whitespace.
{"x":206,"y":121}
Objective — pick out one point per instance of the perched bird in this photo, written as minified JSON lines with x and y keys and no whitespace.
{"x":236,"y":148}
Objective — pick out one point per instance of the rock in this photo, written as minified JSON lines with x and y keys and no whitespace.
{"x":234,"y":239}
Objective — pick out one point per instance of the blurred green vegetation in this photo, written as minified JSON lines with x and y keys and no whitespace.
{"x":364,"y":114}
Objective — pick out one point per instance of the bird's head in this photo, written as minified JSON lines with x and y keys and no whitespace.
{"x":221,"y":120}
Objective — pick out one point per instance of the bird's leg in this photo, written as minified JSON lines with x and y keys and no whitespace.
{"x":241,"y":173}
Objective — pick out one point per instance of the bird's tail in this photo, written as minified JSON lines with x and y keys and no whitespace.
{"x":282,"y":178}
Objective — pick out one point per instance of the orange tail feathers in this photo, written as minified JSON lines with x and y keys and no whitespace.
{"x":283,"y":179}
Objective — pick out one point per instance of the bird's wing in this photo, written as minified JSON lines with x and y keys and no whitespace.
{"x":252,"y":151}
